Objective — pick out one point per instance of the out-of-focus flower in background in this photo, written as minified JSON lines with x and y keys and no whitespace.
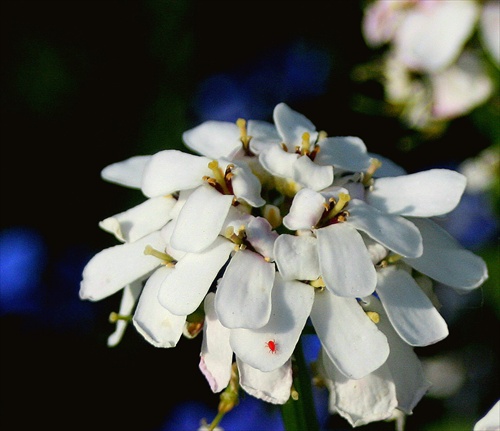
{"x":23,"y":259}
{"x":436,"y":60}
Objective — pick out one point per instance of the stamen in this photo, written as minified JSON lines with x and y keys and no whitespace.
{"x":114,"y":317}
{"x":314,"y":152}
{"x":236,"y":237}
{"x":219,"y":177}
{"x":244,"y":138}
{"x":338,"y":206}
{"x":393,"y":258}
{"x":306,"y":138}
{"x":322,"y":135}
{"x":389,"y":260}
{"x":164,"y":257}
{"x":373,"y":315}
{"x":368,"y":175}
{"x":318,"y":283}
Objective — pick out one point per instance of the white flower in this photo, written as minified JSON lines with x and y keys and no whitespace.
{"x":399,"y":383}
{"x":216,"y":185}
{"x":490,"y":421}
{"x":336,"y":254}
{"x":306,"y":157}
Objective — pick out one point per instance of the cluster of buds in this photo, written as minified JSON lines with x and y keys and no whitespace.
{"x":271,"y":229}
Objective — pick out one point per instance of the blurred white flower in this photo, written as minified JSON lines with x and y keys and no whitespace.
{"x":433,"y":68}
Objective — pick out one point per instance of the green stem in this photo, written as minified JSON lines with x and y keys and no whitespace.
{"x":300,"y":414}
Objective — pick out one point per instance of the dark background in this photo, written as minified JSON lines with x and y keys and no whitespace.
{"x":88,"y":83}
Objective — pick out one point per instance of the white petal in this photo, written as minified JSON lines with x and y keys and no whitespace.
{"x":410,"y":311}
{"x":185,"y":288}
{"x":277,"y":161}
{"x":272,"y":387}
{"x":345,"y":264}
{"x":141,"y":220}
{"x":291,"y":125}
{"x":269,"y":347}
{"x":394,"y":232}
{"x":306,"y":210}
{"x":127,"y":173}
{"x":353,"y":342}
{"x":430,"y":38}
{"x":405,"y":366}
{"x":423,"y":194}
{"x":445,"y":260}
{"x":171,"y":170}
{"x":130,"y":295}
{"x":216,"y":354}
{"x":361,"y":401}
{"x":297,"y":257}
{"x":155,"y":323}
{"x":201,"y":219}
{"x":113,"y":268}
{"x":246,"y":186}
{"x":262,"y":237}
{"x":213,"y":139}
{"x":263,"y":135}
{"x":312,"y":175}
{"x":490,"y":421}
{"x":243,"y":298}
{"x":344,"y":152}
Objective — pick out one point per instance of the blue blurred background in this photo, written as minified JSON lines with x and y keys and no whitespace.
{"x":88,"y":83}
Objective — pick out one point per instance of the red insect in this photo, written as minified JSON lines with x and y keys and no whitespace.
{"x":272,"y":346}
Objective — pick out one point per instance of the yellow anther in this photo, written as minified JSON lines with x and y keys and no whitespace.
{"x":318,"y":283}
{"x":322,"y":135}
{"x":338,"y":207}
{"x":373,"y":315}
{"x":219,"y":177}
{"x":114,"y":317}
{"x":242,"y":125}
{"x":393,"y":258}
{"x":342,"y":202}
{"x":164,"y":257}
{"x":368,"y":175}
{"x":244,"y":138}
{"x":389,"y":260}
{"x":306,"y":138}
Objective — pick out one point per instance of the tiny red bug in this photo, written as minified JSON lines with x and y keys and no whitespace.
{"x":272,"y":346}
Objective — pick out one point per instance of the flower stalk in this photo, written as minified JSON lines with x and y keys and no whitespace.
{"x":299,"y":412}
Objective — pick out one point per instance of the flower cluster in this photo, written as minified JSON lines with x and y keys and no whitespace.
{"x":439,"y":59}
{"x":272,"y":229}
